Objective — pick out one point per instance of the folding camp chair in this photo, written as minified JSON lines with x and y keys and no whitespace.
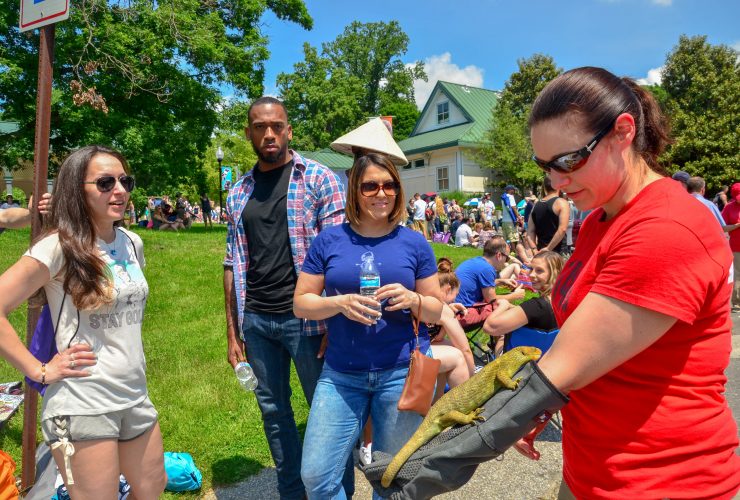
{"x":480,"y":343}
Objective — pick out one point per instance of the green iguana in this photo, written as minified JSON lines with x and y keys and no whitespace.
{"x":462,"y":404}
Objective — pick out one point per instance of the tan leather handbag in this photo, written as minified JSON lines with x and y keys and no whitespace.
{"x":421,"y":379}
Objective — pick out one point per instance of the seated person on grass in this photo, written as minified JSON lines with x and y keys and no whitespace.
{"x":534,"y":313}
{"x":463,"y":234}
{"x":485,"y":234}
{"x":161,"y":223}
{"x":480,"y":275}
{"x":449,"y":343}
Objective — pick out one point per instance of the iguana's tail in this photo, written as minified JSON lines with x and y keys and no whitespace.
{"x":422,"y":436}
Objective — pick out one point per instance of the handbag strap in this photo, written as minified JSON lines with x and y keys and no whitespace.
{"x":416,"y":322}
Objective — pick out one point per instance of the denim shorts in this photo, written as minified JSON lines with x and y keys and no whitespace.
{"x":122,"y":425}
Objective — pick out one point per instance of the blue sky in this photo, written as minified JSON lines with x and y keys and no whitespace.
{"x":479,"y":42}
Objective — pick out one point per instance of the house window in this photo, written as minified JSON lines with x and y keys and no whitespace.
{"x":443,"y":112}
{"x":408,"y":166}
{"x":443,"y":180}
{"x":419,"y":163}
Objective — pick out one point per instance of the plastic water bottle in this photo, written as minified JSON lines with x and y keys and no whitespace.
{"x":245,"y":376}
{"x":369,"y":279}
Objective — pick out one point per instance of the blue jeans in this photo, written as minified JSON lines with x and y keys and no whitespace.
{"x":343,"y":403}
{"x":272,"y":340}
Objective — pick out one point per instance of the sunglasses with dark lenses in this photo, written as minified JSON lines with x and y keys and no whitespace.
{"x":108,"y":182}
{"x":371,"y":188}
{"x":570,"y":162}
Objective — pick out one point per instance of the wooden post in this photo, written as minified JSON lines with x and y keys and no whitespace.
{"x":40,"y":169}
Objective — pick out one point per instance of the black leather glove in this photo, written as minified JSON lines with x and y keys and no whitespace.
{"x":450,"y":459}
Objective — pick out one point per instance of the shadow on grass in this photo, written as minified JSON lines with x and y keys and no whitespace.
{"x":234,"y":469}
{"x":201,"y":229}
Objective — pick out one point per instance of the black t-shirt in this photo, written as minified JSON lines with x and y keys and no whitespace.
{"x":205,"y":204}
{"x":539,"y":314}
{"x":271,"y":277}
{"x":546,"y":223}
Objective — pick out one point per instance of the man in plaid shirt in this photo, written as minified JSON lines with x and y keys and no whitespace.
{"x":274,"y":212}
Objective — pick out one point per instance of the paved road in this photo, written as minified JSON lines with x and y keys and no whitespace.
{"x":514,"y":478}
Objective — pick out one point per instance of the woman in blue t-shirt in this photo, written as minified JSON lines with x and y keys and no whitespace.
{"x":368,"y":352}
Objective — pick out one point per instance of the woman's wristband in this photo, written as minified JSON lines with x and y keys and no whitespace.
{"x":43,"y":373}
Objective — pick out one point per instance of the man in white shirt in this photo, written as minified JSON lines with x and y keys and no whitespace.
{"x":510,"y":217}
{"x":464,"y":235}
{"x":420,"y":222}
{"x":489,"y":208}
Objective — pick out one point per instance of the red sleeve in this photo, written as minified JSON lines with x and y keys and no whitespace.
{"x":660,"y":265}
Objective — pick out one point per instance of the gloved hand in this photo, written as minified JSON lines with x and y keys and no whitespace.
{"x":449,"y":460}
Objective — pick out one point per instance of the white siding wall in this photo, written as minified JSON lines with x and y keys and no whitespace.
{"x":429,"y":120}
{"x":475,"y":178}
{"x":424,"y":179}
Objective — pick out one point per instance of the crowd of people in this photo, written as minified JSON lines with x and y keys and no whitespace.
{"x":640,"y":361}
{"x":551,"y":222}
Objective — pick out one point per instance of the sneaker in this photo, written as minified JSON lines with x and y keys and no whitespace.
{"x":366,"y":454}
{"x":124,"y":489}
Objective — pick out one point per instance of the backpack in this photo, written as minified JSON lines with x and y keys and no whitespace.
{"x":182,"y":474}
{"x":429,"y":213}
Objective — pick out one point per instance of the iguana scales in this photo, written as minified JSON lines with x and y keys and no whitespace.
{"x":462,"y":404}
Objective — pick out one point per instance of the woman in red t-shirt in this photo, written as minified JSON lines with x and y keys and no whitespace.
{"x":643,"y":304}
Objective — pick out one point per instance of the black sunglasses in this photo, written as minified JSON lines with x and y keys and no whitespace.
{"x":570,"y":162}
{"x":371,"y":188}
{"x":108,"y":182}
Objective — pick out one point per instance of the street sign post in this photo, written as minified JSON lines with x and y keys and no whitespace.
{"x":38,"y":13}
{"x":41,"y":14}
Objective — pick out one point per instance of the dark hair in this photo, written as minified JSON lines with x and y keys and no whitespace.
{"x":695,"y":184}
{"x":495,"y":245}
{"x":599,"y":96}
{"x":86,"y":277}
{"x":547,"y":184}
{"x":352,"y":210}
{"x":261,"y":102}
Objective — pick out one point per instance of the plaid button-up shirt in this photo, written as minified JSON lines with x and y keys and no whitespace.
{"x":315,"y":201}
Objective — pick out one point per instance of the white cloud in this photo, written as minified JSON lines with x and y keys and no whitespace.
{"x":654,"y":77}
{"x":441,"y":67}
{"x":736,"y":46}
{"x":665,"y":3}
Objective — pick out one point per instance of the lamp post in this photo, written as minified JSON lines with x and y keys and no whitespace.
{"x":220,"y":158}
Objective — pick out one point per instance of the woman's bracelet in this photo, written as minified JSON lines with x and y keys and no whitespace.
{"x":43,"y":373}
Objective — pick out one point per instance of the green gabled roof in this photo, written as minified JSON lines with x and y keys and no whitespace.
{"x":475,"y":103}
{"x":329,"y":157}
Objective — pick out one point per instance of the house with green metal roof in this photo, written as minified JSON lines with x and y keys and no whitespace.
{"x":337,"y":162}
{"x":441,"y":146}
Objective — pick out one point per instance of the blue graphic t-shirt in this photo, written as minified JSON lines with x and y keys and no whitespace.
{"x":403,"y":256}
{"x":474,"y":275}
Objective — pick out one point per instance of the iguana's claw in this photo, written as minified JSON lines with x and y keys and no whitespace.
{"x":477,"y":417}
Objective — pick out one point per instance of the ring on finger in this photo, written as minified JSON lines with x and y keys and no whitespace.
{"x":72,"y":356}
{"x":72,"y":364}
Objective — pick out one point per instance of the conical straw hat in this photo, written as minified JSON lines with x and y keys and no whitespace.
{"x":373,"y":136}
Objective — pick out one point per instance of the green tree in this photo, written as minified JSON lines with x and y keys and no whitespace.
{"x":405,"y":114}
{"x":139,"y":75}
{"x":702,"y":82}
{"x":372,"y":53}
{"x":358,"y":75}
{"x":523,"y":86}
{"x":506,"y":147}
{"x":322,"y":100}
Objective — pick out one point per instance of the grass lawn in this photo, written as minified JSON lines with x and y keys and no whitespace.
{"x":202,"y":409}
